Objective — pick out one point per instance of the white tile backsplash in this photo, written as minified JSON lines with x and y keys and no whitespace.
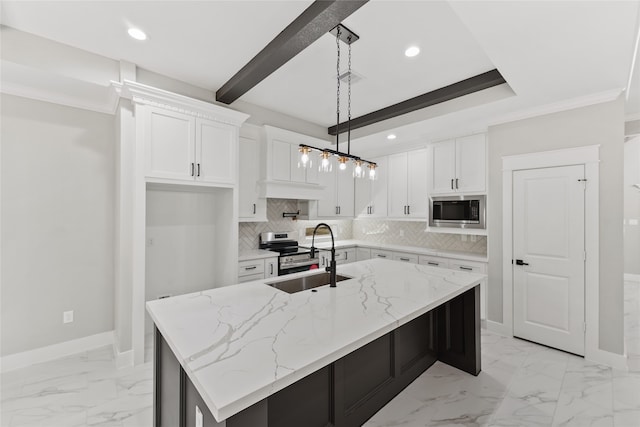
{"x":378,"y":231}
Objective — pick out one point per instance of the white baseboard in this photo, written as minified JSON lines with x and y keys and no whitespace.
{"x":632,"y":277}
{"x":15,"y":361}
{"x":616,"y":361}
{"x":499,"y":328}
{"x":123,"y":359}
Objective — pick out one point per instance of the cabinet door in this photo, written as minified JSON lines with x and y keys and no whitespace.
{"x":381,"y":253}
{"x":433,"y":261}
{"x":345,"y":193}
{"x":363,"y":254}
{"x":417,"y":198}
{"x":363,"y":197}
{"x":169,"y":144}
{"x":216,"y":152}
{"x":397,"y":185}
{"x":379,"y":189}
{"x":270,"y":267}
{"x":327,"y":203}
{"x":248,"y":178}
{"x":280,"y":160}
{"x":405,"y":257}
{"x":443,"y":167}
{"x":470,"y":163}
{"x":312,"y":174}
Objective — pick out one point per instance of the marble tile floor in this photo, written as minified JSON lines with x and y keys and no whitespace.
{"x":521,"y":384}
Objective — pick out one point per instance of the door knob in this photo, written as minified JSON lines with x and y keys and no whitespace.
{"x":520,"y":262}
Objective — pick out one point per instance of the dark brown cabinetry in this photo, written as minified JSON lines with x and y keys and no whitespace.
{"x":347,"y":392}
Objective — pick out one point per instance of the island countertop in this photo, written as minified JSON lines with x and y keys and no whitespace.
{"x":240,"y":344}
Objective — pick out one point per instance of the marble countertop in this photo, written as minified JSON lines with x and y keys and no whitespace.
{"x":256,"y":254}
{"x":401,"y":248}
{"x":240,"y":344}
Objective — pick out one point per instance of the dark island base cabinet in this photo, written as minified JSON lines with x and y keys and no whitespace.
{"x":347,"y":392}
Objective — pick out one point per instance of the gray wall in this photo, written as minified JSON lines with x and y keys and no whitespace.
{"x":597,"y":124}
{"x":57,"y":223}
{"x":632,"y":206}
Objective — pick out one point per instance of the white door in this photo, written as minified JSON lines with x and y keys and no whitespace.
{"x":345,"y":193}
{"x":248,"y":178}
{"x":216,"y":152}
{"x":548,"y":257}
{"x":379,"y":189}
{"x":363,"y":197}
{"x":169,"y":144}
{"x":280,"y":160}
{"x":327,"y":202}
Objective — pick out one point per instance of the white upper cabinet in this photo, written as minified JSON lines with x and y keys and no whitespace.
{"x":337,"y":195}
{"x":182,"y":147}
{"x":280,"y":160}
{"x":216,"y":152}
{"x":371,"y":195}
{"x":169,"y":144}
{"x":459,"y":165}
{"x":251,"y":207}
{"x":407,"y":185}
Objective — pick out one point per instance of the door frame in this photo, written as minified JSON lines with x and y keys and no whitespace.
{"x":589,"y":156}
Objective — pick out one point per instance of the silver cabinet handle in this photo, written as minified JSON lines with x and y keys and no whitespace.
{"x":271,"y":268}
{"x":253,"y":267}
{"x":452,"y":183}
{"x":456,"y":183}
{"x":192,"y":169}
{"x":346,"y":256}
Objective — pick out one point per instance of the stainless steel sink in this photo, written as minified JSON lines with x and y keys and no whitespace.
{"x":306,"y":282}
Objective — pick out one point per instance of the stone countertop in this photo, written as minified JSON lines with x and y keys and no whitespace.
{"x":400,"y":248}
{"x":256,"y":254}
{"x":240,"y":344}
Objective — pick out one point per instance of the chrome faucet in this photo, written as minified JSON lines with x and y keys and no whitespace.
{"x":332,"y":264}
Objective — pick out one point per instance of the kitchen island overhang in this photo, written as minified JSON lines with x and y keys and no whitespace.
{"x":241,"y":344}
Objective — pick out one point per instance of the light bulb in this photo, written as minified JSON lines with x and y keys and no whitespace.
{"x":325,"y":163}
{"x":343,"y":166}
{"x":304,"y":158}
{"x":372,"y":171}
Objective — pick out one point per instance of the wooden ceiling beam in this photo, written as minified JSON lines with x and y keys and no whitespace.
{"x":447,"y":93}
{"x":317,"y":20}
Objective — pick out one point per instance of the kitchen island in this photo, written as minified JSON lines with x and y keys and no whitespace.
{"x":252,"y":355}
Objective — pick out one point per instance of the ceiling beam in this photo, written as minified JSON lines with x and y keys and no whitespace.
{"x":447,"y":93}
{"x":317,"y":20}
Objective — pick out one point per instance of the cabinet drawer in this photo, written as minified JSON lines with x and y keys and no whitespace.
{"x":379,"y":253}
{"x":434,"y":261}
{"x":404,"y":257}
{"x":250,"y":278}
{"x":251,"y":267}
{"x":469,"y":266}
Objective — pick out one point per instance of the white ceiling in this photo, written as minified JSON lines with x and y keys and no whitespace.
{"x":548,"y":51}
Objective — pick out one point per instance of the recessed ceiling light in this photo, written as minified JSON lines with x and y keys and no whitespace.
{"x":412,"y":51}
{"x":391,"y":136}
{"x":137,"y":33}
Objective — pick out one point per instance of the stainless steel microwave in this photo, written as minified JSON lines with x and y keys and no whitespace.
{"x":458,"y":212}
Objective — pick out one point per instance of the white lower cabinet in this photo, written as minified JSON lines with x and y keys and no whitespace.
{"x":363,"y":254}
{"x":405,"y":257}
{"x":343,"y":256}
{"x":256,"y":269}
{"x":433,"y":261}
{"x":381,"y":253}
{"x":469,"y":266}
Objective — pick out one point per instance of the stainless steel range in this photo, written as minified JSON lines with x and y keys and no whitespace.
{"x":292,"y":258}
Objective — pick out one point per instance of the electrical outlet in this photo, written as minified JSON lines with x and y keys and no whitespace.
{"x":473,"y":237}
{"x":67,"y":316}
{"x":401,"y":233}
{"x":463,"y":237}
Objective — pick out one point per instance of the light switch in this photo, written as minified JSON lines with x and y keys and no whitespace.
{"x":199,"y":420}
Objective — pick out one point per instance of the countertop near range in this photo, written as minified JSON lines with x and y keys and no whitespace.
{"x":240,"y":344}
{"x":256,"y":254}
{"x":401,"y":248}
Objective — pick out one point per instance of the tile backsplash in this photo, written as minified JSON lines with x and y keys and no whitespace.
{"x":249,"y":231}
{"x":379,"y":231}
{"x":412,"y":233}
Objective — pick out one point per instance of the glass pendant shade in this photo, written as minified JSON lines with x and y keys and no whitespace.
{"x":358,"y":172}
{"x":372,"y":171}
{"x":325,"y":163}
{"x":342,"y":161}
{"x":304,"y":160}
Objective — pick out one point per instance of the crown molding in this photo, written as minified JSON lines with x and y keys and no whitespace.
{"x":147,"y":95}
{"x":556,"y":107}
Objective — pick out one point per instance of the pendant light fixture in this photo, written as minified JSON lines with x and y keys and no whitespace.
{"x":347,"y":159}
